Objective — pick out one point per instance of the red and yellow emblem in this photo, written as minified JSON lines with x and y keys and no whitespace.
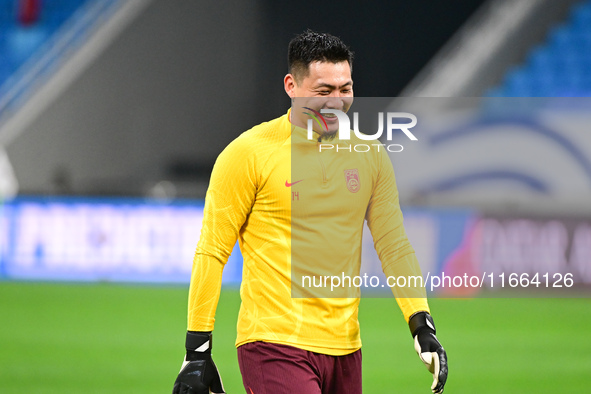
{"x":352,"y":179}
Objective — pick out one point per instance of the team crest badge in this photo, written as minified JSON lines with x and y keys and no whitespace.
{"x":352,"y":179}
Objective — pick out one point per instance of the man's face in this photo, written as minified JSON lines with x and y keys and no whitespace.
{"x":326,"y":86}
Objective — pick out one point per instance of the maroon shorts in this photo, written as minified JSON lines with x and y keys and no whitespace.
{"x":269,"y":368}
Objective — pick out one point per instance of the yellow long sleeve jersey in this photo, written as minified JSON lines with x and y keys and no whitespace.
{"x":297,"y":209}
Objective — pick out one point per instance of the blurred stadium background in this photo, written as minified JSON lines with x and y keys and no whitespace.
{"x":112,"y":113}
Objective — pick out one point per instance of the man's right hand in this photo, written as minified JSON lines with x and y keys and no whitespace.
{"x":198,"y":374}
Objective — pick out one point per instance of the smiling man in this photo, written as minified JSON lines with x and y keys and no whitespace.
{"x":325,"y":84}
{"x":295,"y":211}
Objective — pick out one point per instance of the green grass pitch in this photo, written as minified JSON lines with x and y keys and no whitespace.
{"x":109,"y":338}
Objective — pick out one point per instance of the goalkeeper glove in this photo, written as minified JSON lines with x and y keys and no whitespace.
{"x":429,"y":349}
{"x":198,"y":373}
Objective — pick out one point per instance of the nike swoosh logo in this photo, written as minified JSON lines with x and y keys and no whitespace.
{"x":287,"y":184}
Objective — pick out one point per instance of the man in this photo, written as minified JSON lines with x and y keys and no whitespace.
{"x":295,"y":210}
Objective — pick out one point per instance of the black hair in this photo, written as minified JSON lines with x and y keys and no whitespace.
{"x":311,"y":46}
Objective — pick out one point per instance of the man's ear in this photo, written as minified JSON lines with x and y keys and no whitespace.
{"x":289,"y":84}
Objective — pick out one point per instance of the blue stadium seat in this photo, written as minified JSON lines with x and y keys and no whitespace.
{"x":560,"y":66}
{"x":18,"y":43}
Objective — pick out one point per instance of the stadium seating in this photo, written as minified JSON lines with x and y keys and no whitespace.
{"x":18,"y":42}
{"x":559,"y":67}
{"x":36,"y":41}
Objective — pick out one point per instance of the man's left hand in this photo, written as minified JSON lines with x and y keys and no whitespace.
{"x":430,"y":351}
